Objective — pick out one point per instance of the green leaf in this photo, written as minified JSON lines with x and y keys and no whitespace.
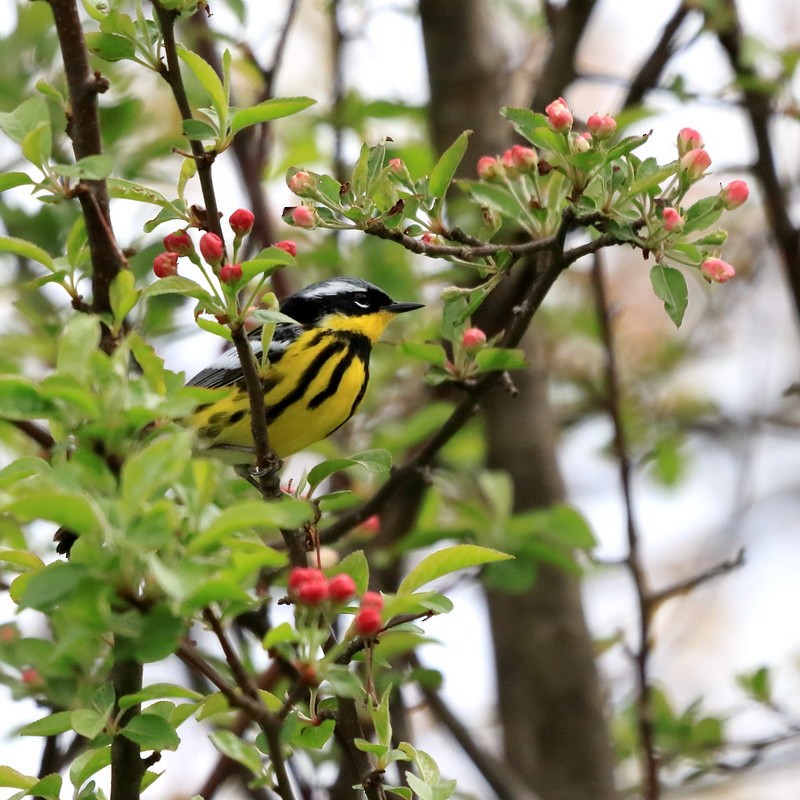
{"x":448,"y":560}
{"x":151,"y":732}
{"x":288,"y":512}
{"x":79,"y":340}
{"x":377,"y":461}
{"x":158,"y":691}
{"x":20,"y":247}
{"x":128,"y":190}
{"x":525,"y":121}
{"x":496,"y":358}
{"x":425,"y":351}
{"x":88,"y":764}
{"x":88,"y":723}
{"x":625,"y":146}
{"x":37,"y":146}
{"x":74,"y":511}
{"x":275,"y":108}
{"x":241,"y":752}
{"x":123,"y":295}
{"x":495,"y":196}
{"x":48,"y":787}
{"x":25,"y":118}
{"x":20,"y":399}
{"x":279,"y":635}
{"x":52,"y":725}
{"x":198,"y":129}
{"x":8,"y":180}
{"x":208,"y":79}
{"x":343,"y":682}
{"x":22,"y":558}
{"x":356,"y":566}
{"x":152,"y":470}
{"x":93,"y":168}
{"x":314,"y":737}
{"x":16,"y":780}
{"x":177,"y":284}
{"x":445,"y":168}
{"x":110,"y":46}
{"x":47,"y":586}
{"x":669,"y":285}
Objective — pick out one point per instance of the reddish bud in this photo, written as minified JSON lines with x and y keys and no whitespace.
{"x":695,"y":163}
{"x":30,"y":676}
{"x":9,"y":633}
{"x":717,"y":270}
{"x":178,"y":242}
{"x":288,"y":246}
{"x":211,"y":248}
{"x":230,"y":273}
{"x":601,"y":126}
{"x":473,"y":339}
{"x":673,"y":221}
{"x":312,"y":593}
{"x":165,"y":265}
{"x":489,"y":168}
{"x":397,"y":167}
{"x":371,"y":524}
{"x":341,"y":587}
{"x":300,"y":575}
{"x":688,"y":139}
{"x":368,"y":621}
{"x":372,"y":600}
{"x":241,"y":221}
{"x":520,"y":159}
{"x":735,"y":194}
{"x":559,"y":115}
{"x":429,"y":238}
{"x":304,"y":217}
{"x":303,"y":184}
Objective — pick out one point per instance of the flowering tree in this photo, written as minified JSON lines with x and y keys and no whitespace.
{"x":172,"y":555}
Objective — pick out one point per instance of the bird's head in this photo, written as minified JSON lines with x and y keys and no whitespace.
{"x":349,"y":304}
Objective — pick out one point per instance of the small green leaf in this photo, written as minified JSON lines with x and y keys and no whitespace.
{"x":229,"y":744}
{"x":177,"y":284}
{"x":158,"y":691}
{"x":669,"y":285}
{"x":92,"y":168}
{"x":448,"y":560}
{"x":52,"y":725}
{"x":152,"y":470}
{"x":279,"y":635}
{"x":47,"y":586}
{"x":74,"y":511}
{"x":88,"y":764}
{"x":123,"y":295}
{"x":88,"y":723}
{"x":26,"y":117}
{"x":208,"y":79}
{"x":151,"y":732}
{"x":16,"y":780}
{"x":22,"y":558}
{"x":198,"y":129}
{"x":48,"y":787}
{"x":625,"y":146}
{"x":110,"y":46}
{"x":275,"y":108}
{"x":445,"y":168}
{"x":8,"y":180}
{"x":314,"y":737}
{"x":425,"y":351}
{"x":19,"y":247}
{"x":494,"y":196}
{"x":37,"y":146}
{"x":20,"y":399}
{"x":525,"y":121}
{"x":495,"y":358}
{"x":128,"y":190}
{"x":378,"y":461}
{"x":287,"y":512}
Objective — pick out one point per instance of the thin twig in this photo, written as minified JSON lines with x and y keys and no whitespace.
{"x":240,"y":674}
{"x":633,"y":561}
{"x":34,"y":432}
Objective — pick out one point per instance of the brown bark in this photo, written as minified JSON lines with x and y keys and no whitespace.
{"x":550,"y":704}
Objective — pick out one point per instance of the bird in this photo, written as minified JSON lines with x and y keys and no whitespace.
{"x":313,"y":379}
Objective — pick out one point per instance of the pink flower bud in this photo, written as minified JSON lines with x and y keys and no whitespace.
{"x":735,"y":194}
{"x":717,"y":270}
{"x":473,"y":339}
{"x":230,"y":273}
{"x":312,"y":593}
{"x":520,"y":159}
{"x":489,"y":168}
{"x":673,"y":221}
{"x":211,"y":248}
{"x":372,"y":600}
{"x":304,"y":217}
{"x":30,"y":675}
{"x":695,"y":163}
{"x":582,"y":142}
{"x":242,"y":221}
{"x":287,"y":245}
{"x":397,"y":167}
{"x":371,"y":524}
{"x":303,"y":184}
{"x":601,"y":126}
{"x":559,"y":115}
{"x":300,"y":575}
{"x":429,"y":238}
{"x":368,"y":621}
{"x":688,"y":139}
{"x":165,"y":265}
{"x":178,"y":242}
{"x":341,"y":587}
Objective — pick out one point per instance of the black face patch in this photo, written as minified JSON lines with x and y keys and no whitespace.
{"x":348,"y":296}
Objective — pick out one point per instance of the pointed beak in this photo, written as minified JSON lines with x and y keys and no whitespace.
{"x":401,"y":308}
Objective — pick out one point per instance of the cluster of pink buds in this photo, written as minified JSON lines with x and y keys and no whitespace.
{"x":694,"y":159}
{"x":309,"y":587}
{"x":517,"y":160}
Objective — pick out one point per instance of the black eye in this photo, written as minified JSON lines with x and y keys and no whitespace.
{"x":361,"y":300}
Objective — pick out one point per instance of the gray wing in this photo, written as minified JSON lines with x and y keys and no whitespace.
{"x":226,"y":370}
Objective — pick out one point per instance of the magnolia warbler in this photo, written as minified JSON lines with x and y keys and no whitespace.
{"x":315,"y":374}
